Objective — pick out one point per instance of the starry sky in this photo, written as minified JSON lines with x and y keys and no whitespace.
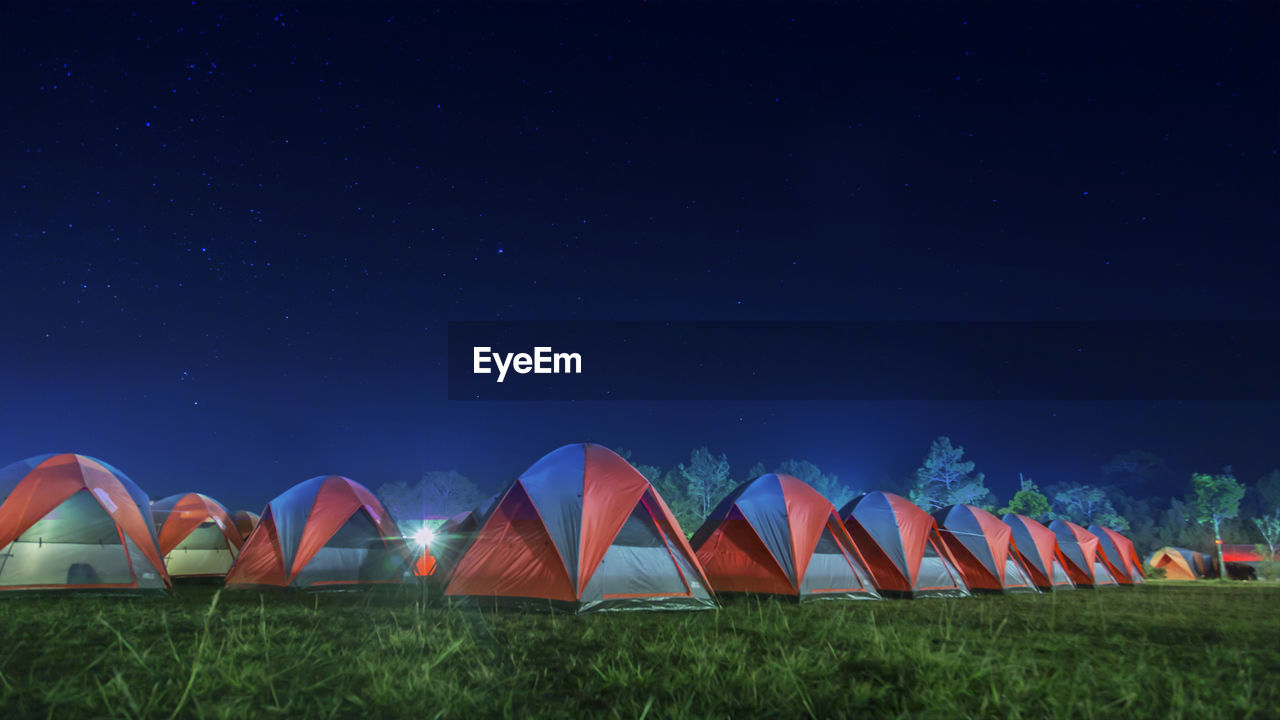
{"x":233,"y":236}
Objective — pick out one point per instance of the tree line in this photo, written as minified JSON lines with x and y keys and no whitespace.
{"x":1212,"y":507}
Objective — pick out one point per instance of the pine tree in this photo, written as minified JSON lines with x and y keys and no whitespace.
{"x":946,"y":478}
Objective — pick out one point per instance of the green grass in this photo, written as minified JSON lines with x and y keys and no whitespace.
{"x":1198,"y":650}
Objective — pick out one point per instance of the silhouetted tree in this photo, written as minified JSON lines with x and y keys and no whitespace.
{"x":1141,"y":517}
{"x":1267,"y":492}
{"x":1177,"y":526}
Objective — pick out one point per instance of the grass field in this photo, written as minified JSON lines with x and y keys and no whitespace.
{"x":1162,"y":651}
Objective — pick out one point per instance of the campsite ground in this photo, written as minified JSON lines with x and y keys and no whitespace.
{"x":1165,"y":650}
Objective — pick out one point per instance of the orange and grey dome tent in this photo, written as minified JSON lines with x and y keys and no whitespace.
{"x":197,"y":536}
{"x":1118,"y":553}
{"x":777,"y":535}
{"x":76,"y":523}
{"x":1038,"y":547}
{"x":902,"y":548}
{"x":325,"y":532}
{"x":984,"y":550}
{"x":1080,"y":548}
{"x":581,"y":530}
{"x":1180,"y":563}
{"x":245,"y":522}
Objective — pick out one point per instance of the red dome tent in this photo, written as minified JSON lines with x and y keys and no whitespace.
{"x":1038,"y":547}
{"x":984,"y":550}
{"x":70,"y":522}
{"x":1080,"y":548}
{"x":901,"y":546}
{"x":778,"y":535}
{"x":197,"y":536}
{"x":245,"y":522}
{"x":582,"y":529}
{"x":1119,"y":554}
{"x":326,"y":531}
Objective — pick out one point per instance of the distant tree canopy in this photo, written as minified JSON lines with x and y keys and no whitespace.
{"x":438,"y":493}
{"x":1028,"y":501}
{"x":652,"y":473}
{"x":674,"y":489}
{"x":693,"y":488}
{"x":946,"y":478}
{"x":829,"y":485}
{"x":1086,"y":505}
{"x":1267,"y":492}
{"x":1134,"y":469}
{"x":707,"y":477}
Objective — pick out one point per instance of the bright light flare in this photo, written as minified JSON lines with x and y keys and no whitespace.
{"x":423,"y":537}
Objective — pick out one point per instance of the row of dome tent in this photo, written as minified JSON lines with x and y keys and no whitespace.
{"x":580,"y":528}
{"x":72,"y":522}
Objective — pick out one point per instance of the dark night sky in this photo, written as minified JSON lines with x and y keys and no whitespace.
{"x":232,"y":237}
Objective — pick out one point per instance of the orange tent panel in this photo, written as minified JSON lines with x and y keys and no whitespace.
{"x":511,"y":554}
{"x":738,"y":561}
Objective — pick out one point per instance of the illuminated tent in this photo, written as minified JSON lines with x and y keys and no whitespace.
{"x":72,"y":522}
{"x":901,"y":547}
{"x":581,"y":530}
{"x":1080,"y":548}
{"x":325,"y":532}
{"x":1180,"y":563}
{"x":245,"y":522}
{"x":468,"y":521}
{"x":983,"y":549}
{"x":456,"y":533}
{"x":197,"y":537}
{"x":1118,"y":553}
{"x":777,"y":535}
{"x":463,"y":522}
{"x":1038,"y":547}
